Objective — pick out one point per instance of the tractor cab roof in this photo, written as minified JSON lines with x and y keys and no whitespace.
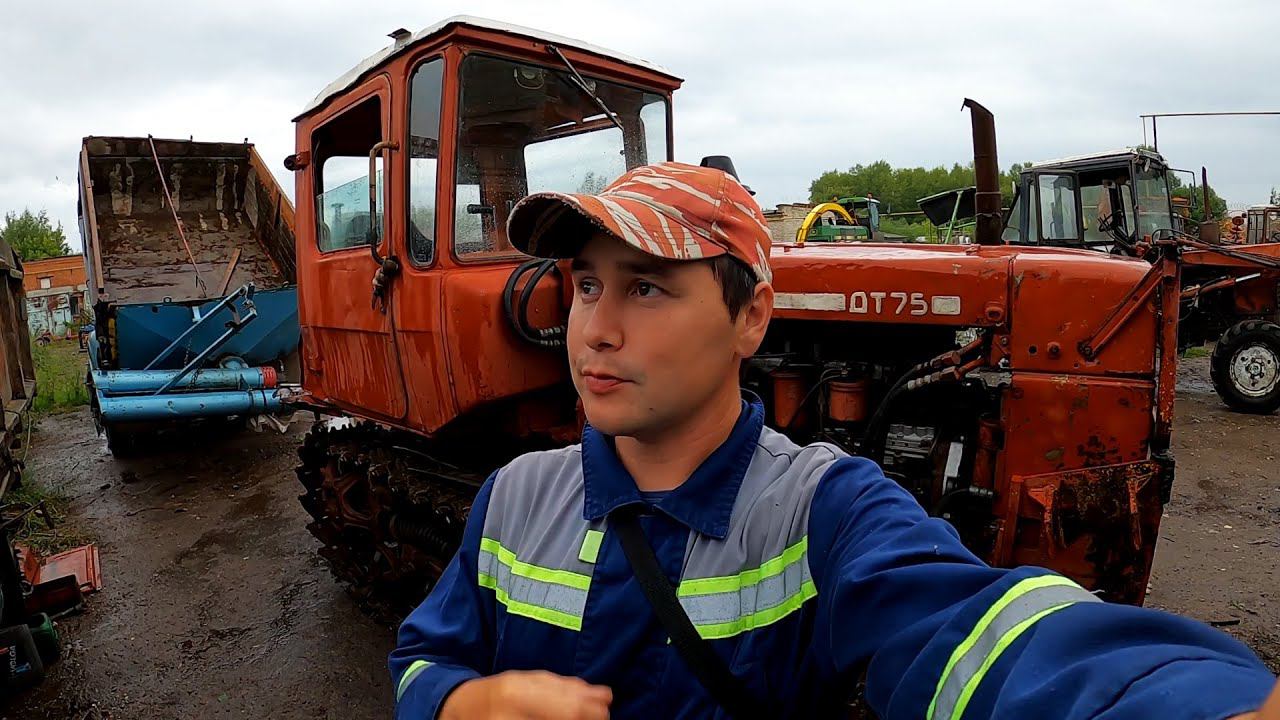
{"x":403,"y":43}
{"x":857,"y":200}
{"x":1093,"y":161}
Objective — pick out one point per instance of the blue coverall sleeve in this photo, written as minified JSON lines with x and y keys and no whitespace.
{"x":449,"y":638}
{"x":942,"y":635}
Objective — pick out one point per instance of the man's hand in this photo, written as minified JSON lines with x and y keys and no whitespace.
{"x":531,"y":695}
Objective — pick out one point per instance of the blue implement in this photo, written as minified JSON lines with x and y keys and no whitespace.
{"x":182,"y":406}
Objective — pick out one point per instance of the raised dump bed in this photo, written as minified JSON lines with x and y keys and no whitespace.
{"x":189,"y":250}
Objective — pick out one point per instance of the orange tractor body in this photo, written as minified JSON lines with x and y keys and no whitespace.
{"x":1023,"y":393}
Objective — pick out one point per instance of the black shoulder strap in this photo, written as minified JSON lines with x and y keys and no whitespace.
{"x":710,"y":669}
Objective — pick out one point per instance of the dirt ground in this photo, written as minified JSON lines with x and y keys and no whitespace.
{"x":1218,"y":558}
{"x":216,"y":605}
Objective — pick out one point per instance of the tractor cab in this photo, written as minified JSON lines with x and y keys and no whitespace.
{"x":1106,"y":201}
{"x":1263,"y":224}
{"x":407,"y":167}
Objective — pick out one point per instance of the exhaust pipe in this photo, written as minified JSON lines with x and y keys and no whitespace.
{"x":986,"y":169}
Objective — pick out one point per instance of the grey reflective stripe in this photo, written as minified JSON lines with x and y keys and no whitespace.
{"x":535,"y":510}
{"x":760,"y":572}
{"x":724,"y":607}
{"x":771,"y":512}
{"x":749,"y":598}
{"x":552,"y":596}
{"x":1016,"y":611}
{"x":534,"y":532}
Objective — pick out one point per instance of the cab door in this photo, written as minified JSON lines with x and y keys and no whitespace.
{"x":349,"y":352}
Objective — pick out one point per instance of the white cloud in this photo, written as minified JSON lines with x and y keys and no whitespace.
{"x":788,"y":91}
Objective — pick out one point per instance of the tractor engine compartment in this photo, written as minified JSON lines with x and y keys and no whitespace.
{"x":935,"y":437}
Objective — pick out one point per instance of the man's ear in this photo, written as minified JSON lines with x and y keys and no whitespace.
{"x":753,"y":320}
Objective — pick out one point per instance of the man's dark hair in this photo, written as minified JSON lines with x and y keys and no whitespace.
{"x":737,"y":283}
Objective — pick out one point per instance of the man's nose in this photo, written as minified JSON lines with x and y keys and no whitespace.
{"x":603,"y":328}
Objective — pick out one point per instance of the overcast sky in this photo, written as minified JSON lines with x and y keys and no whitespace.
{"x":787,"y":93}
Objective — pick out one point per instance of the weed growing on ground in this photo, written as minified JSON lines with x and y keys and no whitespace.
{"x":33,"y":531}
{"x":60,"y":371}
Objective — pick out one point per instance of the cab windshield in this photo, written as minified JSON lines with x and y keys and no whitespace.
{"x":526,"y":128}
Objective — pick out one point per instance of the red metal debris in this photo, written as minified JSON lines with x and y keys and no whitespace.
{"x":82,"y":563}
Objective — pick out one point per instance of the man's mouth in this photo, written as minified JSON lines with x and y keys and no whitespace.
{"x":599,"y":383}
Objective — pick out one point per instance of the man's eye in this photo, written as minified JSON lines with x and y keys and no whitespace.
{"x":587,"y":286}
{"x":647,"y":289}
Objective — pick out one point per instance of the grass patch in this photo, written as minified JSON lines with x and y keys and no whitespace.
{"x":33,"y":531}
{"x":1198,"y":351}
{"x":60,"y":369}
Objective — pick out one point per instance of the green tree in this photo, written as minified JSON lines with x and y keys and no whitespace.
{"x":33,"y":236}
{"x":898,"y":189}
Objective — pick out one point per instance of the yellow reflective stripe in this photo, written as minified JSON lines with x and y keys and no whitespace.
{"x":415,"y":667}
{"x":759,"y":619}
{"x":1005,"y":641}
{"x":515,"y":607}
{"x":1010,"y":595}
{"x":534,"y":572}
{"x":591,"y":546}
{"x":733,"y":583}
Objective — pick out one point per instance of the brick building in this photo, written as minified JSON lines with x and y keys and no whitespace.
{"x":56,"y":294}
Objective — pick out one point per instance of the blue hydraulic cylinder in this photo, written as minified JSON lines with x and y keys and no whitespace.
{"x":182,"y":406}
{"x":127,"y":382}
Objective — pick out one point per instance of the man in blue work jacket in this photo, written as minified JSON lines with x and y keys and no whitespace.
{"x":802,"y":568}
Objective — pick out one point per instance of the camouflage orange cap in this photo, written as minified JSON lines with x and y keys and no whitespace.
{"x":669,"y":210}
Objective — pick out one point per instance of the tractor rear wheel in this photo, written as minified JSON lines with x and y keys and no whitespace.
{"x":1245,"y":367}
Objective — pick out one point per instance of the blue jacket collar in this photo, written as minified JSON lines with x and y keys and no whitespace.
{"x":704,"y":502}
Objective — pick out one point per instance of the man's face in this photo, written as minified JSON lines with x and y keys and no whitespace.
{"x":651,"y":341}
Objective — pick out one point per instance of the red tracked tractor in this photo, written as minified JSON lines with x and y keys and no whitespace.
{"x":1024,"y":393}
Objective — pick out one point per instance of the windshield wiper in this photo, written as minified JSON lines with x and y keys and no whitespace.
{"x":581,"y":84}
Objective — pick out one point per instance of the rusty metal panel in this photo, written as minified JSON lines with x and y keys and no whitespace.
{"x":1080,"y":445}
{"x":1061,"y":422}
{"x":1097,"y":525}
{"x":1049,"y":330}
{"x":17,"y":369}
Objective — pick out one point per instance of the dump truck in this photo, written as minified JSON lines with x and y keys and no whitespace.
{"x":1229,"y":293}
{"x":957,"y":367}
{"x":189,"y":254}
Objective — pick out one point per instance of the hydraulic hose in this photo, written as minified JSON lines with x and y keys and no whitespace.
{"x":517,"y":308}
{"x":873,"y":437}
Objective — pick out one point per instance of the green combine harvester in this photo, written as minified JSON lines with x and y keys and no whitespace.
{"x":857,"y":219}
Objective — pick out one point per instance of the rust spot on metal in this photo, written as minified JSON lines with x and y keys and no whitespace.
{"x":1099,"y":524}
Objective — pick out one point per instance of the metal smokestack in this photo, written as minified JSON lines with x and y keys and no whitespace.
{"x":987,"y":172}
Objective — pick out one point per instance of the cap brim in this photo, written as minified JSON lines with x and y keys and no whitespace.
{"x":556,"y":225}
